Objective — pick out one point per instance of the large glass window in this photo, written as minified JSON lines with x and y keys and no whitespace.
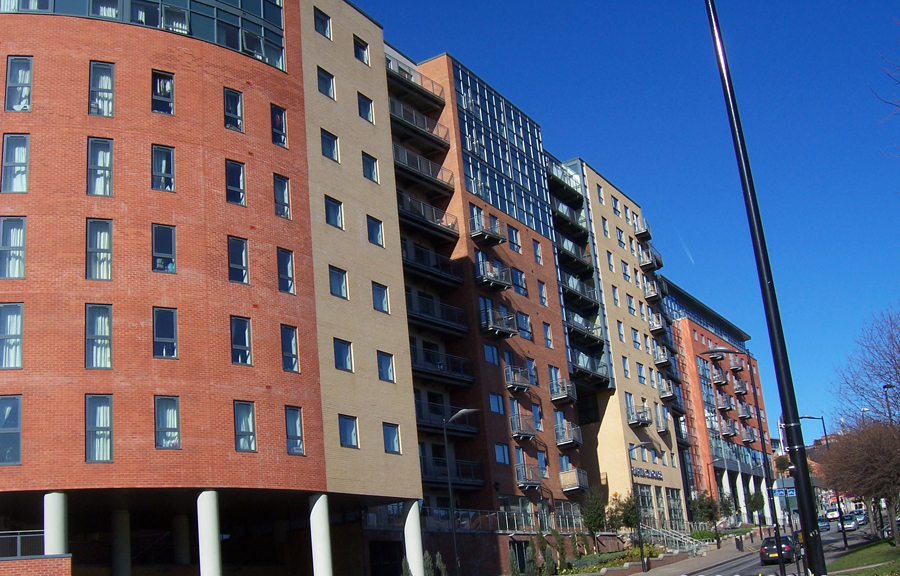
{"x":244,"y":427}
{"x":18,"y":83}
{"x":163,"y":171}
{"x":99,"y":250}
{"x":234,"y":183}
{"x":14,"y":174}
{"x":163,"y":248}
{"x":240,"y":341}
{"x":290,"y":361}
{"x":348,"y":431}
{"x":98,"y":429}
{"x":293,"y":418}
{"x":99,"y":170}
{"x":285,"y":271}
{"x":279,"y":130}
{"x":282,"y":196}
{"x":12,"y":247}
{"x":162,"y":91}
{"x":98,"y":336}
{"x":10,"y":335}
{"x":168,"y":423}
{"x":238,"y":262}
{"x":165,"y":333}
{"x":234,"y":110}
{"x":102,"y":79}
{"x":391,"y":438}
{"x":10,"y":430}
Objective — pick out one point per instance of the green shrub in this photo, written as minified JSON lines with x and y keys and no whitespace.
{"x":703,"y":535}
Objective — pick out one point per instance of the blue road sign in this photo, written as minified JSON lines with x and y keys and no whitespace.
{"x":791,"y":492}
{"x":778,"y":492}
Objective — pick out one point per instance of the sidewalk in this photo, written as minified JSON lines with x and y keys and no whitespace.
{"x":702,"y":564}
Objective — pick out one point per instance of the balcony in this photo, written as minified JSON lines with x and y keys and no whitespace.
{"x":729,"y":429}
{"x":661,"y":356}
{"x":570,"y":220}
{"x":444,"y":368}
{"x":424,"y":263}
{"x":662,"y":426}
{"x":568,"y":435}
{"x":517,"y":378}
{"x":497,"y":323}
{"x":657,"y":323}
{"x":591,"y":370}
{"x":22,"y":544}
{"x":716,"y":356}
{"x":418,"y":171}
{"x":562,"y":391}
{"x":416,"y":88}
{"x":431,"y":416}
{"x":461,"y":473}
{"x":737,"y":364}
{"x":431,"y":136}
{"x":650,"y":260}
{"x":577,"y":258}
{"x":528,"y":476}
{"x":489,"y":233}
{"x":748,"y":437}
{"x":563,"y":183}
{"x":672,"y":370}
{"x":638,"y":417}
{"x":744,"y":412}
{"x":654,"y":291}
{"x":642,"y":230}
{"x":740,"y":387}
{"x":425,"y":217}
{"x":573,"y":480}
{"x":579,"y":292}
{"x":719,"y":377}
{"x":425,"y":312}
{"x":666,"y":340}
{"x":666,"y":390}
{"x":582,"y":329}
{"x":724,"y":404}
{"x":493,"y":276}
{"x":521,"y":426}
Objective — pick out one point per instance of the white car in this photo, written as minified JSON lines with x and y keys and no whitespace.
{"x":832,"y":514}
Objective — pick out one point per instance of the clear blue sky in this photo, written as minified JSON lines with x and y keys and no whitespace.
{"x":632,"y":87}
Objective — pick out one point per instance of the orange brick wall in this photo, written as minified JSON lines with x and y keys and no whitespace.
{"x":48,"y":566}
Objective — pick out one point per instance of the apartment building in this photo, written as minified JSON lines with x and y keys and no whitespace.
{"x":729,"y":444}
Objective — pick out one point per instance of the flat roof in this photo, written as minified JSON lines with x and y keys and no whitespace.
{"x":692,"y":302}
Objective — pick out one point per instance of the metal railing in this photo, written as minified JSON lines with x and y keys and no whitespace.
{"x":574,"y":284}
{"x":517,"y":377}
{"x":483,"y":225}
{"x":415,"y":118}
{"x":21,"y":543}
{"x":651,"y":290}
{"x":573,"y":479}
{"x":562,"y":173}
{"x":460,"y":471}
{"x":444,"y":364}
{"x":572,"y":215}
{"x":662,"y":426}
{"x":641,"y":226}
{"x":570,"y":247}
{"x":425,"y":258}
{"x":528,"y":475}
{"x":657,"y":322}
{"x":522,"y":426}
{"x":595,"y":364}
{"x":661,"y":356}
{"x":414,"y":207}
{"x":567,"y":433}
{"x":507,"y":521}
{"x":737,"y":364}
{"x":422,"y":165}
{"x":666,"y":389}
{"x":740,"y":387}
{"x":490,"y":272}
{"x":672,"y":540}
{"x":640,"y":416}
{"x":492,"y":319}
{"x":414,"y":76}
{"x":435,"y":414}
{"x":719,"y":376}
{"x":427,"y":307}
{"x":562,"y":389}
{"x":583,"y":324}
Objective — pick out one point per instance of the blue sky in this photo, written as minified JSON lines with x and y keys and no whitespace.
{"x":632,"y":87}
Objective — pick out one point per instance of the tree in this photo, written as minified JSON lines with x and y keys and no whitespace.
{"x":530,"y":564}
{"x":594,"y":510}
{"x":756,"y":503}
{"x":428,"y":564}
{"x":706,"y":509}
{"x":782,"y":463}
{"x":549,"y":562}
{"x":439,"y":565}
{"x":726,"y":505}
{"x":621,"y":513}
{"x":514,"y":562}
{"x":404,"y":567}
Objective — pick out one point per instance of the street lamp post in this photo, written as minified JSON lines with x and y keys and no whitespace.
{"x":863,"y":412}
{"x":645,"y":566}
{"x":460,"y":414}
{"x":887,"y":401}
{"x":828,"y":447}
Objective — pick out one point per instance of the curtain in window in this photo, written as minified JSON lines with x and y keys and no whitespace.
{"x":102,"y":91}
{"x":100,"y":178}
{"x":294,"y":431}
{"x":243,"y":422}
{"x":12,"y":254}
{"x":289,"y":349}
{"x":7,"y":5}
{"x":240,"y":341}
{"x":9,"y":434}
{"x":15,"y":164}
{"x":348,"y":432}
{"x":106,"y":9}
{"x":167,"y":423}
{"x":11,"y":345}
{"x":163,"y":87}
{"x":19,"y":96}
{"x":98,"y":325}
{"x":99,"y":434}
{"x":162,"y":169}
{"x":175,"y":20}
{"x":99,"y":251}
{"x":344,"y":356}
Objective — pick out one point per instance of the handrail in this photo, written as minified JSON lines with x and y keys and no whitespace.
{"x":434,"y":361}
{"x":20,"y":543}
{"x":436,"y":310}
{"x":424,"y":257}
{"x":415,"y":207}
{"x":562,"y":388}
{"x":414,"y":76}
{"x":422,"y":165}
{"x":415,"y":118}
{"x":561,"y":172}
{"x":567,"y":432}
{"x":576,"y":285}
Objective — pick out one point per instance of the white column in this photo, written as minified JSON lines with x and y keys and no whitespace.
{"x":181,"y":540}
{"x":412,"y":538}
{"x":56,"y":539}
{"x":208,"y":533}
{"x":121,"y":543}
{"x":742,"y":496}
{"x":320,"y":535}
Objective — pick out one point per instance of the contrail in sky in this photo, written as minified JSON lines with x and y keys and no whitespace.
{"x":686,"y":251}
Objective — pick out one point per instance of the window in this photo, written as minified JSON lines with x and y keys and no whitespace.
{"x":293,"y":419}
{"x":370,"y":167}
{"x":322,"y":23}
{"x":514,"y":242}
{"x":334,"y":212}
{"x":366,"y":110}
{"x":609,"y":261}
{"x":631,"y":449}
{"x":163,"y":245}
{"x":621,"y":328}
{"x":380,"y":297}
{"x":99,"y":168}
{"x":101,"y":97}
{"x":626,"y":271}
{"x":98,"y":429}
{"x":615,"y":203}
{"x":643,"y":453}
{"x":361,"y":50}
{"x":282,"y":196}
{"x":348,"y":431}
{"x":14,"y":175}
{"x":542,"y":293}
{"x":542,"y":463}
{"x":163,"y":171}
{"x":536,"y":414}
{"x":501,"y":453}
{"x":12,"y":247}
{"x":385,"y":366}
{"x":620,"y":238}
{"x":289,"y":358}
{"x":162,"y":93}
{"x":240,"y":341}
{"x":234,"y":183}
{"x":285,"y":271}
{"x":640,"y":373}
{"x":391,"y":438}
{"x":168,"y":427}
{"x":605,"y":227}
{"x":548,"y":336}
{"x":234,"y":110}
{"x":625,"y":370}
{"x":98,"y":336}
{"x":10,"y":430}
{"x":238,"y":263}
{"x":343,"y":355}
{"x":600,"y":193}
{"x":376,"y":231}
{"x":615,"y":292}
{"x":337,"y":281}
{"x":99,"y":250}
{"x":491,"y":355}
{"x":496,"y":403}
{"x":641,"y":307}
{"x":630,"y":300}
{"x":105,"y":8}
{"x":10,"y":335}
{"x":329,"y":145}
{"x":279,"y":130}
{"x":635,"y":339}
{"x":537,"y":252}
{"x":326,"y":82}
{"x":627,"y":215}
{"x":532,"y":372}
{"x":518,"y":278}
{"x":524,"y":323}
{"x":18,"y":84}
{"x":631,"y":245}
{"x":646,"y":344}
{"x":165,"y":333}
{"x":244,"y":427}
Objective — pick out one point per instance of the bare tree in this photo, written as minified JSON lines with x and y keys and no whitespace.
{"x":875,"y":362}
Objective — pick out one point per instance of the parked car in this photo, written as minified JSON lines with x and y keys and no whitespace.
{"x":768,"y":553}
{"x":861,"y":517}
{"x":848,"y":523}
{"x":832,"y":514}
{"x":824,"y":524}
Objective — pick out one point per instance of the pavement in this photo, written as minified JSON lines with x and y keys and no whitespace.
{"x":704,"y":564}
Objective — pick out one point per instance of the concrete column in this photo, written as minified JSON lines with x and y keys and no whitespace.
{"x":208,"y":533}
{"x":412,"y":538}
{"x":320,"y":535}
{"x":56,"y":540}
{"x":121,"y":543}
{"x":742,"y":496}
{"x":181,"y":540}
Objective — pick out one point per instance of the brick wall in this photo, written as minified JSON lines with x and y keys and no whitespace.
{"x":37,"y":566}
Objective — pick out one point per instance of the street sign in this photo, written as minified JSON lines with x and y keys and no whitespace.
{"x":792,"y":492}
{"x":778,"y":492}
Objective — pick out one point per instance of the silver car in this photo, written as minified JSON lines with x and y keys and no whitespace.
{"x":848,"y":523}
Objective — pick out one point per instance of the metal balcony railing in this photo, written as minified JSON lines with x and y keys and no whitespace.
{"x":482,"y":227}
{"x":641,"y":229}
{"x":561,"y":173}
{"x":651,"y":290}
{"x":435,"y":414}
{"x":650,"y":259}
{"x":573,"y":479}
{"x":567,"y":434}
{"x":666,"y":390}
{"x":740,"y":387}
{"x":729,"y":429}
{"x":574,"y":250}
{"x":459,"y":471}
{"x":562,"y":390}
{"x":719,"y":377}
{"x":521,"y":426}
{"x":430,"y":262}
{"x":662,"y":426}
{"x":517,"y":378}
{"x":661,"y":356}
{"x":434,"y":362}
{"x":573,"y":284}
{"x":505,"y":521}
{"x":737,"y":364}
{"x":493,"y":274}
{"x":437,"y":312}
{"x":638,"y":416}
{"x":724,"y":404}
{"x":657,"y":322}
{"x":574,"y":216}
{"x":594,"y":364}
{"x":748,"y":436}
{"x":414,"y":76}
{"x":528,"y":476}
{"x":415,"y":118}
{"x":581,"y":323}
{"x":493,"y":320}
{"x":407,"y":205}
{"x":424,"y":166}
{"x":21,"y":543}
{"x":744,"y":412}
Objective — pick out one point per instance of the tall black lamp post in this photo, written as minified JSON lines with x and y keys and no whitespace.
{"x":828,"y":447}
{"x":460,"y":414}
{"x":887,"y":401}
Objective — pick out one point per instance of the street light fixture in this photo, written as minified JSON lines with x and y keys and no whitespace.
{"x":887,"y":401}
{"x":863,"y":412}
{"x":828,"y":447}
{"x":645,"y":566}
{"x":460,"y":414}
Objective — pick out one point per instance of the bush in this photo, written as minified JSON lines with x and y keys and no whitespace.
{"x":703,"y":535}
